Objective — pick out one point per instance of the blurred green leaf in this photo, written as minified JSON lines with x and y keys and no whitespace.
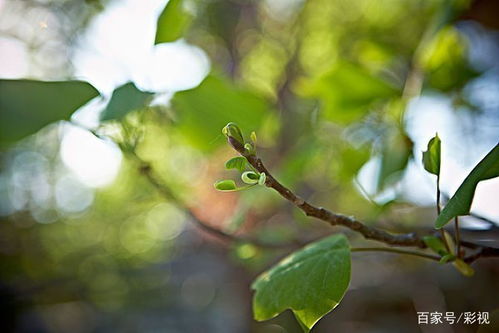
{"x":395,"y":154}
{"x":26,"y":105}
{"x":225,"y":185}
{"x":447,"y":257}
{"x":347,"y":91}
{"x":348,"y":162}
{"x":204,"y":110}
{"x":460,"y":203}
{"x":431,"y":157}
{"x":435,"y":244}
{"x":172,"y":22}
{"x":238,"y":163}
{"x":445,"y":61}
{"x":125,"y":99}
{"x":311,"y":282}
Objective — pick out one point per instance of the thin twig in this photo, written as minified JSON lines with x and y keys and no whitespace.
{"x":395,"y":250}
{"x":483,"y":252}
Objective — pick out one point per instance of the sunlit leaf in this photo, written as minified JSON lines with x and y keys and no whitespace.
{"x":431,"y":157}
{"x":26,"y":105}
{"x":460,"y":203}
{"x":125,"y":99}
{"x":311,"y":282}
{"x":445,"y":61}
{"x":238,"y":163}
{"x":172,"y":22}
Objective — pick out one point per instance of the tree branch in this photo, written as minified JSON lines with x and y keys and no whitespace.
{"x":410,"y":239}
{"x":325,"y":215}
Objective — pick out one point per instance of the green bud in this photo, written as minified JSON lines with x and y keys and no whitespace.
{"x":250,"y":177}
{"x":231,"y":130}
{"x":250,"y":148}
{"x":253,"y":137}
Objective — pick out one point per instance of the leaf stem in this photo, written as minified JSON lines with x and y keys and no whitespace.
{"x":394,"y":250}
{"x":458,"y":237}
{"x":442,"y":234}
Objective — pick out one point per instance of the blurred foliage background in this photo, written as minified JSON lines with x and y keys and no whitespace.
{"x":343,"y":96}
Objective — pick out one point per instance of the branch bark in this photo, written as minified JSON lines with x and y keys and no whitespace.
{"x":410,"y":239}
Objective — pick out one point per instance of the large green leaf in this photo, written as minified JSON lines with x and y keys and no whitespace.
{"x":431,"y":157}
{"x":26,"y":105}
{"x":460,"y":203}
{"x":203,"y":111}
{"x":311,"y":282}
{"x":347,"y":91}
{"x":125,"y":99}
{"x":172,"y":22}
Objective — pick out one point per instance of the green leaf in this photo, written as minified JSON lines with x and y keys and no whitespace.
{"x":26,"y":105}
{"x":311,"y":282}
{"x":172,"y":22}
{"x":238,"y":163}
{"x":435,"y":244}
{"x":125,"y":99}
{"x":460,"y":203}
{"x":347,"y":91}
{"x":431,"y":157}
{"x":226,"y":185}
{"x":201,"y":112}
